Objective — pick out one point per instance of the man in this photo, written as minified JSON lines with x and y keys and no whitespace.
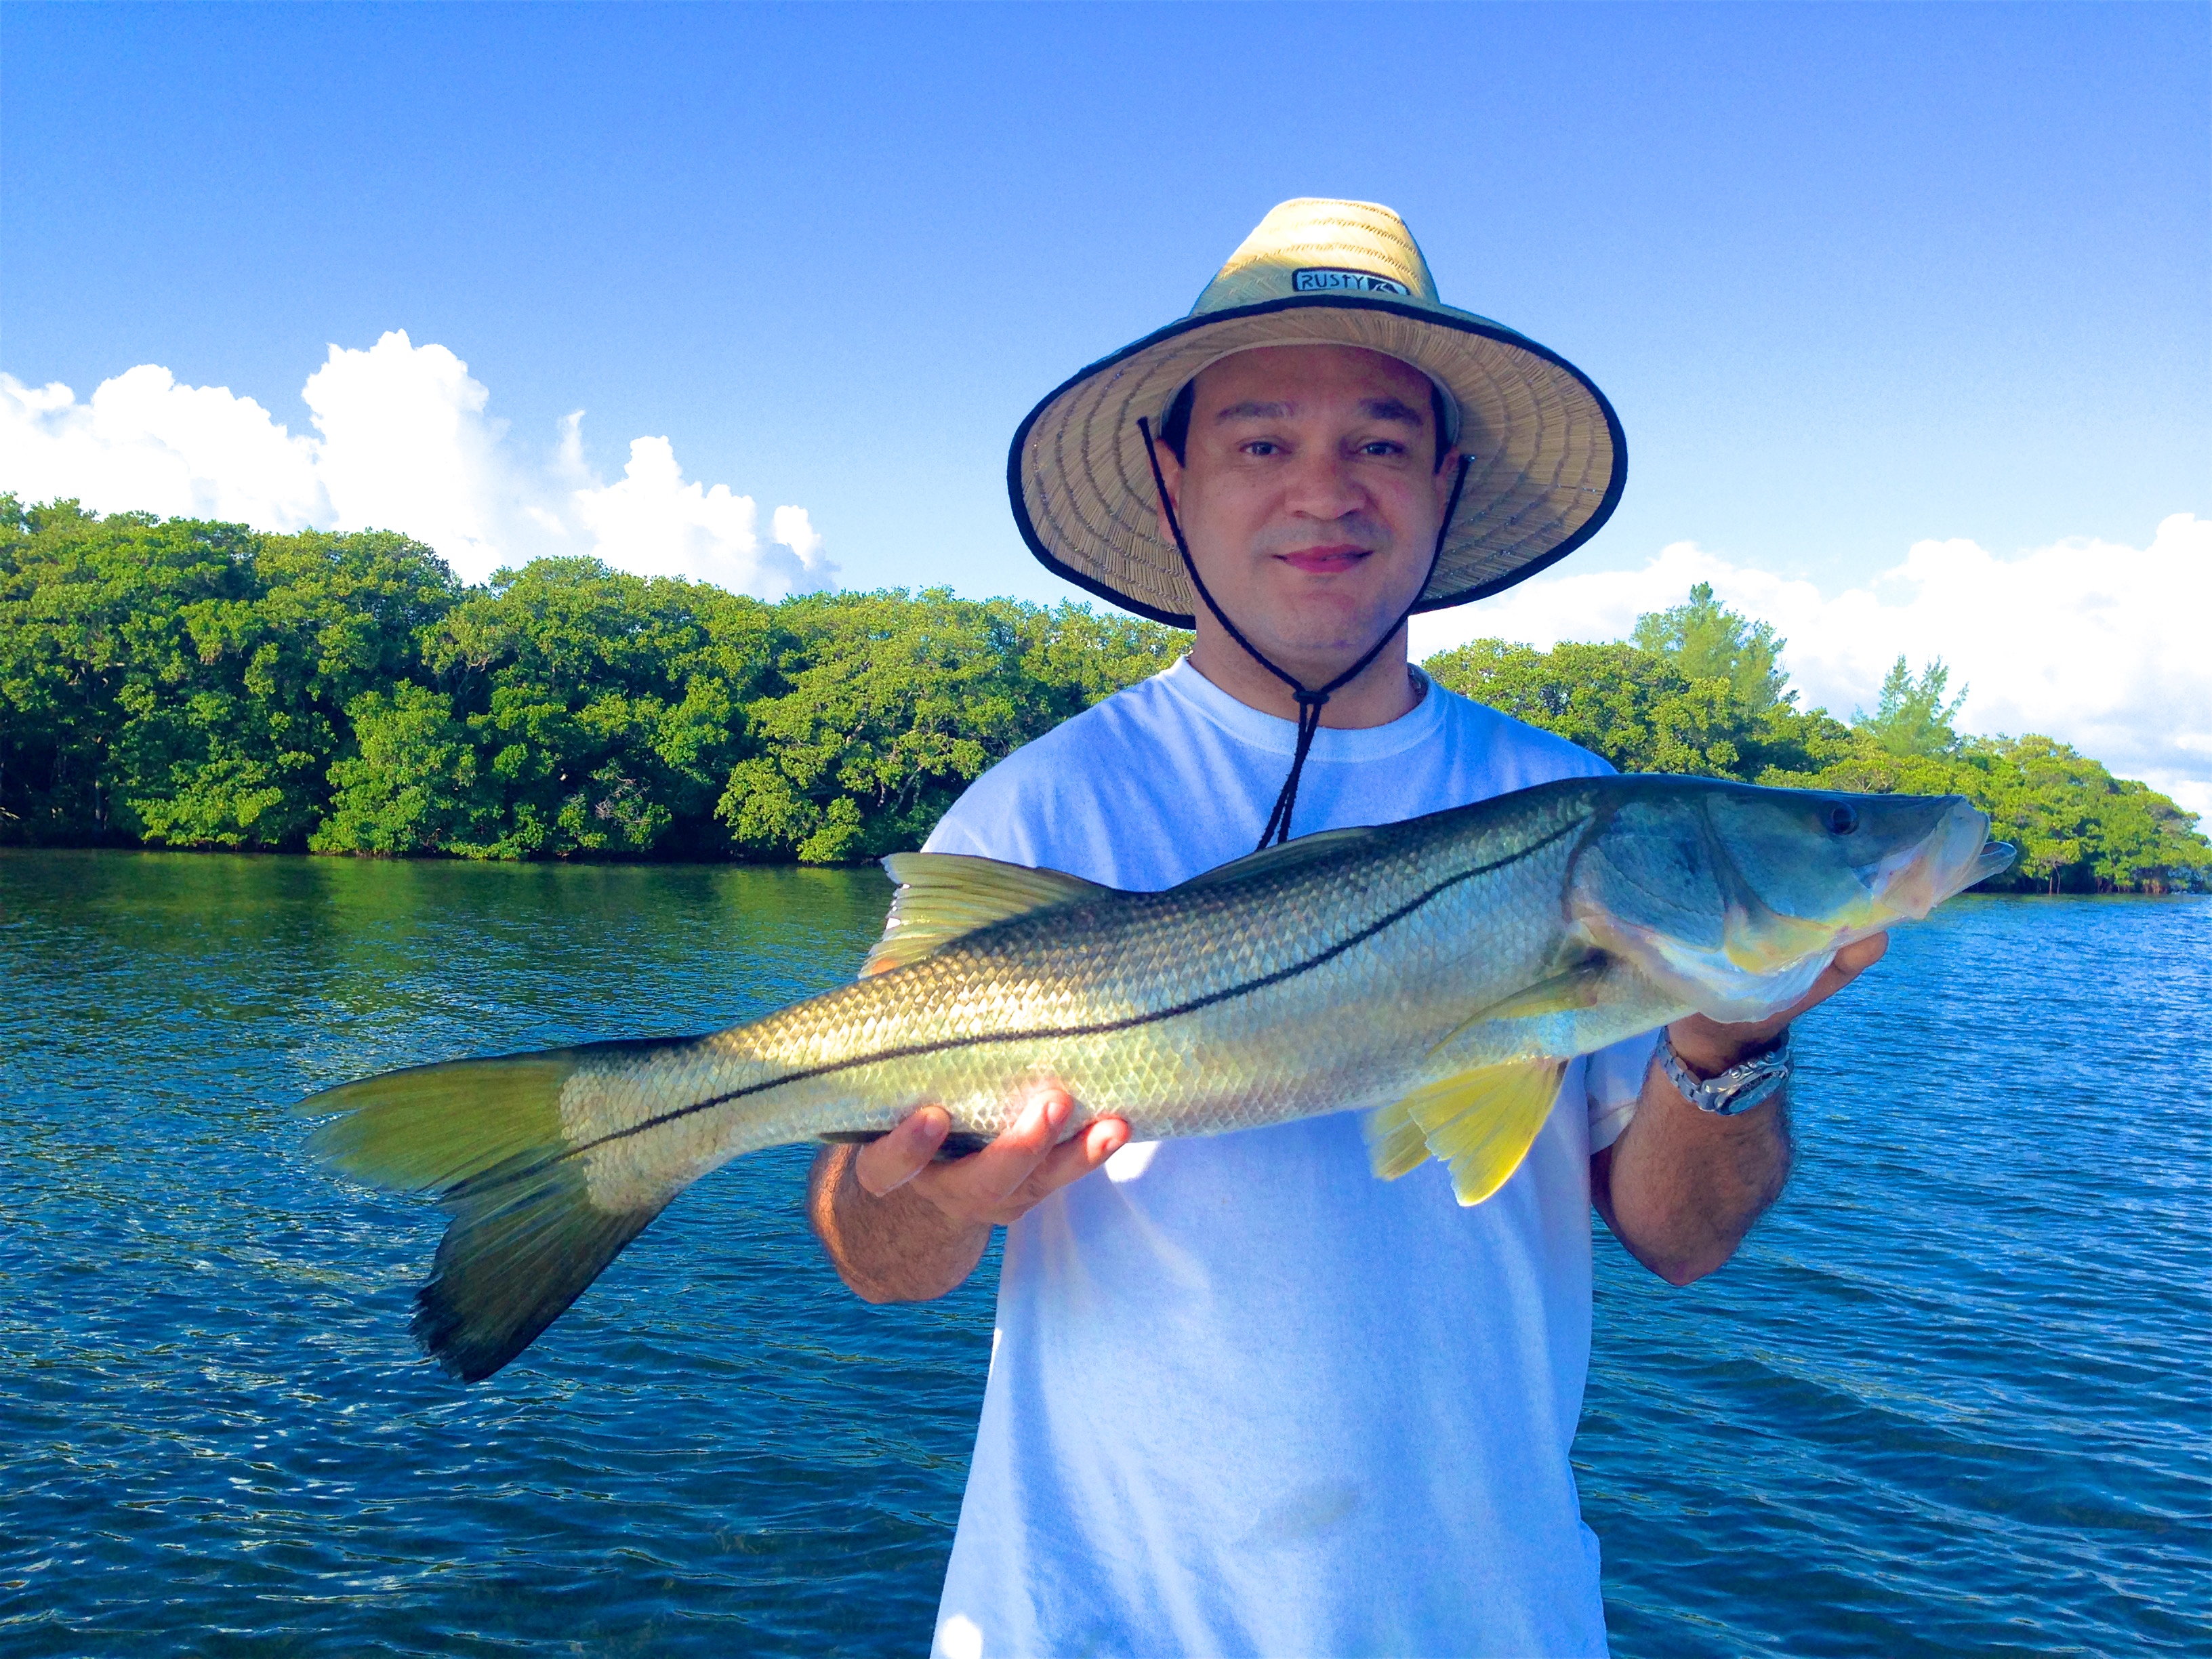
{"x":1244,"y":1397}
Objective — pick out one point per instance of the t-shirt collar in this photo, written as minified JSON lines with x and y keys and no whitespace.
{"x":1333,"y":744}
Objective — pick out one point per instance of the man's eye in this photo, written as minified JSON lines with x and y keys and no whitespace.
{"x":1382,"y":447}
{"x":1262,"y":446}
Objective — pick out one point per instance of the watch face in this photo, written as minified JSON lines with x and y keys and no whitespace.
{"x":1738,"y":1089}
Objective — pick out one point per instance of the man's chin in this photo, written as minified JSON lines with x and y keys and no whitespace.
{"x":1328,"y":625}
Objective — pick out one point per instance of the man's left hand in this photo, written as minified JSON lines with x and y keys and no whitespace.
{"x":1681,"y":1188}
{"x":1709,"y":1048}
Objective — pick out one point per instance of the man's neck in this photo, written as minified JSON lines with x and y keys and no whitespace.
{"x":1384,"y":691}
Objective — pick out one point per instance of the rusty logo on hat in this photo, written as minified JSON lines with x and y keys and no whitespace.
{"x":1321,"y":279}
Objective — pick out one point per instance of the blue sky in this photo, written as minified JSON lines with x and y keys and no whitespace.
{"x":1855,"y":276}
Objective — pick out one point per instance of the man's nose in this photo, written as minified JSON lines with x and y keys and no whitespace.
{"x":1323,"y":485}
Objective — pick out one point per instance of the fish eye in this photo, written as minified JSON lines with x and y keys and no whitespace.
{"x":1841,"y":818}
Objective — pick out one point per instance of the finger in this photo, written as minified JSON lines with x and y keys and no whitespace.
{"x":889,"y":1162}
{"x":975,"y":1186}
{"x":1851,"y":962}
{"x":1076,"y":1157}
{"x":999,"y":1170}
{"x":1857,"y":957}
{"x":1848,"y":964}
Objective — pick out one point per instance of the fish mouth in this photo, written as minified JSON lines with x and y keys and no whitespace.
{"x":1997,"y":858}
{"x":1954,"y":855}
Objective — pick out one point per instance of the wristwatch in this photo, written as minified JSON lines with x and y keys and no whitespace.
{"x":1744,"y":1085}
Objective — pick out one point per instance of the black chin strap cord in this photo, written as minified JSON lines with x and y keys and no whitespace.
{"x":1309,"y":702}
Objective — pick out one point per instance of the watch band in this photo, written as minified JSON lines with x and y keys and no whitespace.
{"x":1744,"y":1085}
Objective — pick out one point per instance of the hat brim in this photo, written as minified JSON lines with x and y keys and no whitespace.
{"x":1548,"y":455}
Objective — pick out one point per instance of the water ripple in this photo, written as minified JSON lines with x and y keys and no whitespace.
{"x":1951,"y":1399}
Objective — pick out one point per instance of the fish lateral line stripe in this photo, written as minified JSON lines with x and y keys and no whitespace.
{"x":1105,"y":1028}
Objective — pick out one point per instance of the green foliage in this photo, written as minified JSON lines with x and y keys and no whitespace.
{"x":1912,"y":717}
{"x":410,"y":784}
{"x":196,"y":684}
{"x":1643,"y":710}
{"x":1697,"y":690}
{"x":888,"y":706}
{"x":184,"y":683}
{"x":1707,"y":640}
{"x":200,"y":684}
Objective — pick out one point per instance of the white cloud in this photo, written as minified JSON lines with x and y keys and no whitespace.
{"x":186,"y":452}
{"x":2099,"y":645}
{"x":401,"y":442}
{"x":405,"y":446}
{"x":653,"y":523}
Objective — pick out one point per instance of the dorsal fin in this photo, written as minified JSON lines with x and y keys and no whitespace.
{"x":942,"y":896}
{"x":1288,"y":856}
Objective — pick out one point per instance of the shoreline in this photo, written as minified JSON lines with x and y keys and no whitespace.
{"x":449,"y":860}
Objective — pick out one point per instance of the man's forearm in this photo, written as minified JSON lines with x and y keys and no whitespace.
{"x":1681,"y":1188}
{"x":898,"y":1248}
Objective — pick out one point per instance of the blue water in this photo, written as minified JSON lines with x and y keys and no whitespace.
{"x":1951,"y":1399}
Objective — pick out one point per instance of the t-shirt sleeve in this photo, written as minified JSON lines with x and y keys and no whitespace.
{"x":956,"y":833}
{"x":1614,"y":1081}
{"x":994,"y":818}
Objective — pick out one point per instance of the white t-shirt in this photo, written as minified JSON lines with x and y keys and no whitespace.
{"x":1245,"y":1398}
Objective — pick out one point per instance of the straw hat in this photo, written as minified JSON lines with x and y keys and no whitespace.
{"x":1547,"y":455}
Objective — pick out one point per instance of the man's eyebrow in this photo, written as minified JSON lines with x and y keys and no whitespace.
{"x":1389,"y":409}
{"x":1375,"y":409}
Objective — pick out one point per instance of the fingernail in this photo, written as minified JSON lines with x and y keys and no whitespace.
{"x":1056,"y":1109}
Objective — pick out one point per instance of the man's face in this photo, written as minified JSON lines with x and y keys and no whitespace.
{"x":1310,"y":496}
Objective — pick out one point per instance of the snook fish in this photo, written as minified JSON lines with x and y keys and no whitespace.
{"x":1438,"y":972}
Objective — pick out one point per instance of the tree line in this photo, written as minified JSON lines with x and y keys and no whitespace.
{"x":1698,"y":689}
{"x":183,"y":682}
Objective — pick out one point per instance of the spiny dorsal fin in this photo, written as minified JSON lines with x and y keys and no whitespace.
{"x":1478,"y":1123}
{"x":1288,"y":856}
{"x":942,"y":896}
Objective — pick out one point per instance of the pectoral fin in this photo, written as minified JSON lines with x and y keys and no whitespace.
{"x":1573,"y":989}
{"x":1478,"y":1123}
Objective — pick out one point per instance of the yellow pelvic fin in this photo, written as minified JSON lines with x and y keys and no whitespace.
{"x":1395,"y":1146}
{"x":1478,"y":1123}
{"x":942,"y":896}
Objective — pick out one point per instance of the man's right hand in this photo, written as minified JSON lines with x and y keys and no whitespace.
{"x":902,"y":1227}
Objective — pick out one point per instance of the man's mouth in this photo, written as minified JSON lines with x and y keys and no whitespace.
{"x":1325,"y":561}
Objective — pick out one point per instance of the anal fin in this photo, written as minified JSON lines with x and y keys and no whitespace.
{"x":1478,"y":1123}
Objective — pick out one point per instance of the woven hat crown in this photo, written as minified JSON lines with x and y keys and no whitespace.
{"x":1313,"y":246}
